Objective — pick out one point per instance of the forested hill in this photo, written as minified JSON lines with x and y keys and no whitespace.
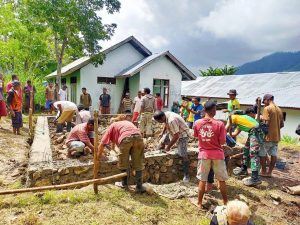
{"x":276,"y":62}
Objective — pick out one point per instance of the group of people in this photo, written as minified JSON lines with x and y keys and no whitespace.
{"x":17,"y":100}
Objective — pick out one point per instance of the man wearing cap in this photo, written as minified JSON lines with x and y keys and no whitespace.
{"x":273,"y":117}
{"x":233,"y":104}
{"x":105,"y":100}
{"x":127,"y":104}
{"x":147,"y":109}
{"x":248,"y":124}
{"x":14,"y":102}
{"x":175,"y":129}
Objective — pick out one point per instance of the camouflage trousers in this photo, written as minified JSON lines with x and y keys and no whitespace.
{"x":251,"y":150}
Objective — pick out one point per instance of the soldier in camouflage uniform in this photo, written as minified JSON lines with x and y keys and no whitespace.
{"x":248,"y":124}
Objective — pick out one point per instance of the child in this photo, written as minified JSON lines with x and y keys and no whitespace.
{"x":14,"y":102}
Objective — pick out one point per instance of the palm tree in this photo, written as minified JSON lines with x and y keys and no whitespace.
{"x":218,"y":71}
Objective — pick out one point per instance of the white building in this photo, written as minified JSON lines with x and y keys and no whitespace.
{"x":128,"y":67}
{"x":284,"y":86}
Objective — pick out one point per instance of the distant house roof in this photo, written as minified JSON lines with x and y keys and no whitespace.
{"x":132,"y":70}
{"x":79,"y":63}
{"x":284,"y":86}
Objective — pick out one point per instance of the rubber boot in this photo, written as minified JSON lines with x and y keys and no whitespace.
{"x":124,"y":182}
{"x":139,"y":182}
{"x":186,"y":167}
{"x":253,"y":180}
{"x":59,"y":128}
{"x":69,"y":126}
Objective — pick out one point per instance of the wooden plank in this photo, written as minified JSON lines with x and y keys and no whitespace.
{"x":96,"y":159}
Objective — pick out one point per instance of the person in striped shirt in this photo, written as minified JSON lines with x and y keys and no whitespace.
{"x":127,"y":104}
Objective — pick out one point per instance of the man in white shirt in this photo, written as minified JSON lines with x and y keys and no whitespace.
{"x":85,"y":115}
{"x":63,"y":93}
{"x":65,"y":112}
{"x":137,"y":102}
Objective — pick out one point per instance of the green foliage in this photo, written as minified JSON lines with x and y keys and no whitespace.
{"x":75,"y":25}
{"x":218,"y":71}
{"x":286,"y":139}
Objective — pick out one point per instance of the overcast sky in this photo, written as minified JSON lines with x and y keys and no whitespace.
{"x":203,"y":33}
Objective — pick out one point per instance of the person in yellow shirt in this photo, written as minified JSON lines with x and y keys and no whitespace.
{"x":233,"y":104}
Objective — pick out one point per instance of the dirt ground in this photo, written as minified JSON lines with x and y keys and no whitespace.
{"x":13,"y":155}
{"x":269,"y":202}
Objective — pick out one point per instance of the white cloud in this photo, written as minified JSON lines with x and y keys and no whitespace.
{"x":158,"y":42}
{"x":265,"y":24}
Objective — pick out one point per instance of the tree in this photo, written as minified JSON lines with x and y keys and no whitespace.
{"x":74,"y":24}
{"x":218,"y":71}
{"x":23,"y":51}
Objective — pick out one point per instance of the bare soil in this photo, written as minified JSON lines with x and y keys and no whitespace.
{"x":13,"y":155}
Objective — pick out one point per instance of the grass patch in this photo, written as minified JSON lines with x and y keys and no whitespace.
{"x":16,"y":185}
{"x":29,"y":219}
{"x":286,"y":139}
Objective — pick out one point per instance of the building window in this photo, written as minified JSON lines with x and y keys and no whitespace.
{"x":73,"y":80}
{"x":106,"y":80}
{"x":162,"y":87}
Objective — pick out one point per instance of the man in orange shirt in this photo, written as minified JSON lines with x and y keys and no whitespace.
{"x":14,"y":102}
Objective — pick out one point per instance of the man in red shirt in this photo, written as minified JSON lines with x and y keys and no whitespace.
{"x":130,"y":142}
{"x":159,"y":102}
{"x":211,"y":135}
{"x":79,"y":139}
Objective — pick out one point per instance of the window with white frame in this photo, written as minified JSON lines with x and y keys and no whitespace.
{"x":163,"y":87}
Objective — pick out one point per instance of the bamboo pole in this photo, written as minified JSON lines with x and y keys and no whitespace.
{"x":96,"y":159}
{"x":98,"y":181}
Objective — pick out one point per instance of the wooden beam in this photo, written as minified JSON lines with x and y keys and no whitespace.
{"x":96,"y":159}
{"x":98,"y":181}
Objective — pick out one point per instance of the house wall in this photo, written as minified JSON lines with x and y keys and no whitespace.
{"x":134,"y":85}
{"x":162,"y":68}
{"x":116,"y":61}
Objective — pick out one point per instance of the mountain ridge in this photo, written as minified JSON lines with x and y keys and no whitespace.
{"x":275,"y":62}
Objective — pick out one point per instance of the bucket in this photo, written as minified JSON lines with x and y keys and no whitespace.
{"x":230,"y":141}
{"x":280,"y":165}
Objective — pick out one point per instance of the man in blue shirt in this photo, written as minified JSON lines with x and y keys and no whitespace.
{"x":196,"y":108}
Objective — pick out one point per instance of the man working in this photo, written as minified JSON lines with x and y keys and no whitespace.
{"x":233,"y":104}
{"x":211,"y":135}
{"x":105,"y":102}
{"x":137,"y":102}
{"x":147,"y":109}
{"x":78,"y":140}
{"x":176,"y":130}
{"x":130,"y":142}
{"x":65,"y":112}
{"x":84,"y":114}
{"x":85,"y":99}
{"x":273,"y":117}
{"x":248,"y":124}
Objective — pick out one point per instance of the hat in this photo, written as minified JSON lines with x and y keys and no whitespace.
{"x":15,"y":83}
{"x":268,"y":97}
{"x":232,"y":92}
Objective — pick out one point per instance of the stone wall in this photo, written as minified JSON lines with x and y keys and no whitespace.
{"x":160,"y":168}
